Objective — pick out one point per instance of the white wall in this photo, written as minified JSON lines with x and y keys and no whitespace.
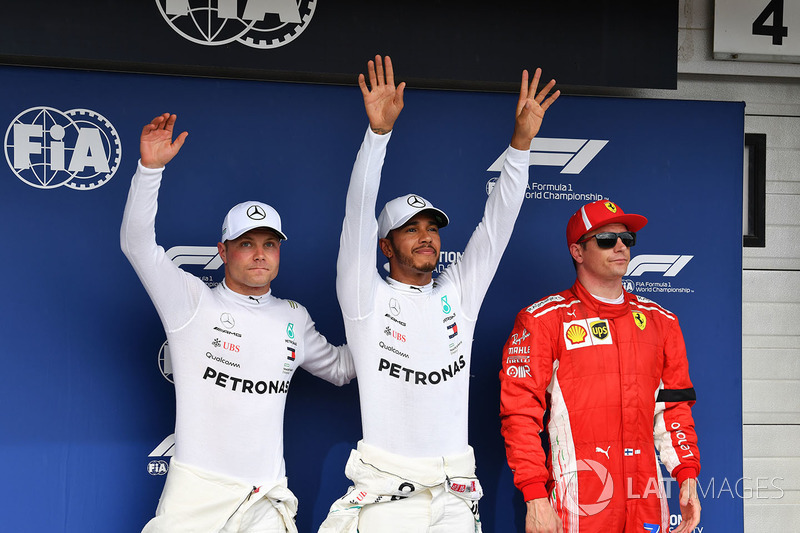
{"x":771,"y":275}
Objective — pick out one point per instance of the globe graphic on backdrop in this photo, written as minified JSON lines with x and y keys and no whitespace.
{"x":203,"y":23}
{"x":253,"y":23}
{"x":41,"y":166}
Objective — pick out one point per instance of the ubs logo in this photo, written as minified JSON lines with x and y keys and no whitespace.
{"x":389,"y":332}
{"x":259,"y":24}
{"x":47,"y":148}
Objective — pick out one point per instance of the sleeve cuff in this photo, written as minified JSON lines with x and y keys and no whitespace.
{"x":534,"y":491}
{"x":685,"y":473}
{"x":146,"y":170}
{"x":521,"y":155}
{"x":375,"y":136}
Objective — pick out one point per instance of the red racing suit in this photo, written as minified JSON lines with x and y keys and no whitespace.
{"x":615,"y":380}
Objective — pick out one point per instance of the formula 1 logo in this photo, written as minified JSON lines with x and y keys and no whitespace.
{"x":47,"y":148}
{"x":573,"y":155}
{"x":259,"y":24}
{"x":160,"y":467}
{"x":195,"y":255}
{"x":670,"y":265}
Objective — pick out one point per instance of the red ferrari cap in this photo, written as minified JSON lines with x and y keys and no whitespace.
{"x":597,"y":214}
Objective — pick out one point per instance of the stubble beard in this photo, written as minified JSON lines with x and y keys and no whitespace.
{"x":408,"y":261}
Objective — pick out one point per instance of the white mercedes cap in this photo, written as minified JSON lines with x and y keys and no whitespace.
{"x":250,"y":215}
{"x":400,"y":210}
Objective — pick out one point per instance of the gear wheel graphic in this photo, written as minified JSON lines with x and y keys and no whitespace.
{"x":208,"y":24}
{"x":86,"y":180}
{"x":263,"y":37}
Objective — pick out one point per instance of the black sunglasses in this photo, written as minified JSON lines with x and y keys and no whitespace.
{"x":608,"y":239}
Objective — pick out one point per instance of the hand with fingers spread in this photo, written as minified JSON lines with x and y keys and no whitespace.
{"x":382,"y":100}
{"x":531,"y":109}
{"x":690,"y":507}
{"x":156,"y":145}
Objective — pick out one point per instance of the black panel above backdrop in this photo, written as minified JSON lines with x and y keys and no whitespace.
{"x":439,"y":43}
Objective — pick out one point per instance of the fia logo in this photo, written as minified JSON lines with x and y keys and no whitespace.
{"x":158,"y":467}
{"x":254,"y":23}
{"x":47,"y":148}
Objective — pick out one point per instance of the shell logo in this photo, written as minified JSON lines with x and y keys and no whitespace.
{"x":576,"y":334}
{"x":611,"y":206}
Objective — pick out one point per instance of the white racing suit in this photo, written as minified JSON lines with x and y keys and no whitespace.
{"x":412,"y":345}
{"x":233,"y":358}
{"x":379,"y":477}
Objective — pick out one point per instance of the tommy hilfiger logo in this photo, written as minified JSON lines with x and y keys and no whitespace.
{"x":454,"y":330}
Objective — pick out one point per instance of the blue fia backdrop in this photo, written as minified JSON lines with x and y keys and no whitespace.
{"x":88,"y":412}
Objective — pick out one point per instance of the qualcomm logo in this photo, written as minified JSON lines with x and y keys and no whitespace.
{"x":255,"y":23}
{"x":47,"y":148}
{"x":670,"y":265}
{"x":573,"y":155}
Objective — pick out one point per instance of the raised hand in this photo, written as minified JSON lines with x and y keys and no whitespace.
{"x":382,"y":100}
{"x":530,"y":109}
{"x":155,"y":145}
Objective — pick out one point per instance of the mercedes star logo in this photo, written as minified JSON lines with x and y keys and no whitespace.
{"x":394,"y":307}
{"x":256,"y":212}
{"x":416,"y":202}
{"x":227,"y":320}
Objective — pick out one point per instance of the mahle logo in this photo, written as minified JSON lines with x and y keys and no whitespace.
{"x":47,"y":148}
{"x":255,"y":23}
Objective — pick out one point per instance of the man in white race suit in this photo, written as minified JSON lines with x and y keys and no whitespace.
{"x":411,"y":336}
{"x":234,"y":350}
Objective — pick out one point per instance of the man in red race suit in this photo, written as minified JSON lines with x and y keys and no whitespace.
{"x":610,"y":370}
